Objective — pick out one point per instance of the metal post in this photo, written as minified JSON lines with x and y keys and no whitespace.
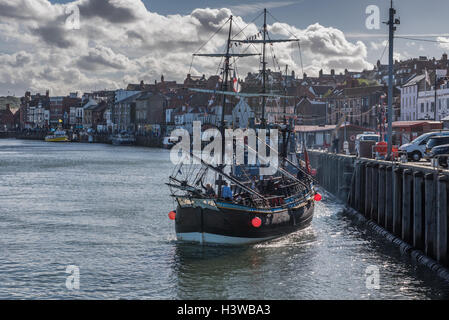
{"x":435,"y":103}
{"x":392,"y":28}
{"x":263,"y":120}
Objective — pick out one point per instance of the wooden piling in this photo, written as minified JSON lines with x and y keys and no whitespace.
{"x":362,"y":186}
{"x":368,"y":190}
{"x":335,"y":175}
{"x":429,"y":215}
{"x":407,"y":216}
{"x":340,"y":169}
{"x":381,"y":197}
{"x":397,"y":201}
{"x":375,"y":190}
{"x":348,"y":171}
{"x":442,"y":221}
{"x":389,"y":198}
{"x":418,"y":210}
{"x":357,"y":187}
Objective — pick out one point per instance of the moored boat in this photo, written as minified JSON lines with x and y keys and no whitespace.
{"x":253,"y":208}
{"x":123,"y":138}
{"x":57,"y":136}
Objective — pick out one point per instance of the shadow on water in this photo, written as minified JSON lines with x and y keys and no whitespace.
{"x":234,"y":272}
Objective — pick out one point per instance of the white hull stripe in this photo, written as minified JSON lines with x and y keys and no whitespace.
{"x":209,"y":238}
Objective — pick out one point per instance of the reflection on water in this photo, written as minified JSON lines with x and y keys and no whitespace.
{"x":104,"y":209}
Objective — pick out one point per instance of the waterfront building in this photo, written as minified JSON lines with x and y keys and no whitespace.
{"x":125,"y":112}
{"x":426,"y":103}
{"x":150,"y":108}
{"x":409,"y":99}
{"x":311,"y":112}
{"x":6,"y":119}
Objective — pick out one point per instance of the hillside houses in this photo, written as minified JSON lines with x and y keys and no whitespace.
{"x":323,"y":99}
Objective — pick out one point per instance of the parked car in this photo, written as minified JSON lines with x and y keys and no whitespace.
{"x":366,"y":136}
{"x":440,"y":150}
{"x":415,"y":150}
{"x":434,"y":142}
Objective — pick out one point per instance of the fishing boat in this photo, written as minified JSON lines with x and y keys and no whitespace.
{"x":123,"y":138}
{"x":247,"y":208}
{"x":57,"y":136}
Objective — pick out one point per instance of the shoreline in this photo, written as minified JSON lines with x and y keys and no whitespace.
{"x":141,"y":141}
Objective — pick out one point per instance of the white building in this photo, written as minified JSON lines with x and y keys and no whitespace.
{"x":426,"y":103}
{"x":38,"y":116}
{"x":409,"y":99}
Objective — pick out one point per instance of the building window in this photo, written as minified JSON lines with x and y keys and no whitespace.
{"x":422,"y":107}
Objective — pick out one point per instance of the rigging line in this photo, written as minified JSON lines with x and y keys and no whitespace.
{"x":300,"y":57}
{"x":291,"y":33}
{"x":273,"y":56}
{"x":241,"y":30}
{"x":282,"y":26}
{"x":307,"y":117}
{"x":191,"y":63}
{"x":425,"y":40}
{"x":383,"y":52}
{"x":244,"y":51}
{"x":213,"y":35}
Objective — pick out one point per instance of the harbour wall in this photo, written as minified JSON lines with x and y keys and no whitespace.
{"x":143,"y":141}
{"x":407,"y":204}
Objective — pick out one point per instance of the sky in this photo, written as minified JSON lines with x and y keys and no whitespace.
{"x":125,"y":41}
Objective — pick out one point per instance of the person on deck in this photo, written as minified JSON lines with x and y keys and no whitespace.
{"x":254,"y":184}
{"x":226,"y":191}
{"x":335,"y":144}
{"x":209,"y":191}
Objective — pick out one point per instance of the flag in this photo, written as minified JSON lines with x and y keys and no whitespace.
{"x":235,"y":83}
{"x":306,"y":157}
{"x":427,"y":76}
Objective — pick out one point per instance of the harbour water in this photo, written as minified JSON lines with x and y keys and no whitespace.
{"x":104,"y":209}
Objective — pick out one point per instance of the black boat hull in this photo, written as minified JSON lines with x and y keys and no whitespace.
{"x":228,"y":224}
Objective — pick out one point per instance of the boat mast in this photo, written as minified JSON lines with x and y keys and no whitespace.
{"x":225,"y":88}
{"x":284,"y":139}
{"x":264,"y":71}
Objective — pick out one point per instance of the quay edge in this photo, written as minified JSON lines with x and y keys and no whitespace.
{"x":406,"y":203}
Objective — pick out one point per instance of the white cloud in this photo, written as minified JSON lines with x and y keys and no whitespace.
{"x":444,"y":42}
{"x":121,"y":41}
{"x":244,"y":9}
{"x":378,"y":45}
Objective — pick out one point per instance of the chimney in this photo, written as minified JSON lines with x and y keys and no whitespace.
{"x":332,"y":72}
{"x":444,"y":57}
{"x":321,"y":73}
{"x":47,"y":93}
{"x":293,"y":74}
